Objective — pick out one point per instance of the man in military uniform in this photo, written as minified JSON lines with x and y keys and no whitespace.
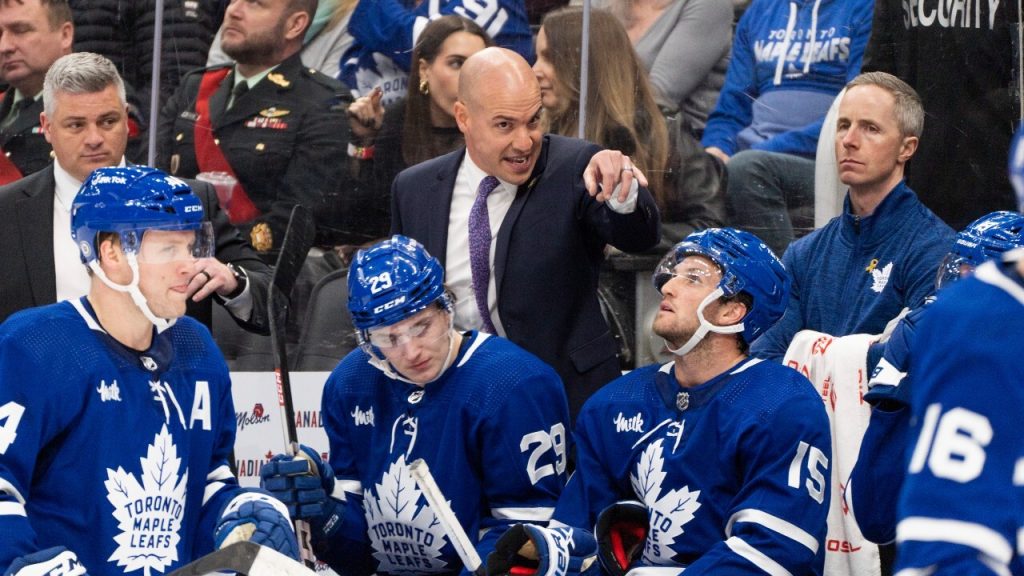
{"x":33,"y":35}
{"x":275,"y":125}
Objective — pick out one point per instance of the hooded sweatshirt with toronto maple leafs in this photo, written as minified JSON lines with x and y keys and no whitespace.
{"x":855,"y":274}
{"x":789,"y":61}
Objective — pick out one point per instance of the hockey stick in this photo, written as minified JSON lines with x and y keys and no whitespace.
{"x":247,"y":559}
{"x":298,"y":239}
{"x":449,"y":523}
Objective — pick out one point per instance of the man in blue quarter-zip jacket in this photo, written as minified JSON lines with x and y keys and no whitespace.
{"x":861,"y":269}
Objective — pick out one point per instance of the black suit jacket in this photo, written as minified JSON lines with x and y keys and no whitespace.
{"x":26,"y":247}
{"x":549,"y":251}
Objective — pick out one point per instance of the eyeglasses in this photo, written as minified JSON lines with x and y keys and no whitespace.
{"x":427,"y":328}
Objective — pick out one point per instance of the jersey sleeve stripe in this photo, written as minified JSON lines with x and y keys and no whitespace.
{"x":756,"y":557}
{"x":990,"y":274}
{"x":342,"y":487}
{"x":12,"y":509}
{"x":9,"y":489}
{"x":219,"y":473}
{"x":211,"y":490}
{"x":538,"y":514}
{"x":656,"y":571}
{"x":981,"y":538}
{"x":775,"y":524}
{"x":917,"y":571}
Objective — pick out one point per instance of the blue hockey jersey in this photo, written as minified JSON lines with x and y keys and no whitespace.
{"x":492,"y":429}
{"x":385,"y":32}
{"x":962,"y":506}
{"x":120,"y":456}
{"x":734,"y":472}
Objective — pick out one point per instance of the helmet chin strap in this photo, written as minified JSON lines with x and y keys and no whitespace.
{"x":705,"y":326}
{"x":132,"y":289}
{"x":384,"y":366}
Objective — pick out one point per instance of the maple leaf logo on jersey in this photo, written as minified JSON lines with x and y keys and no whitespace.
{"x":879,"y":278}
{"x":669,"y":512}
{"x":149,"y":514}
{"x":404,"y":532}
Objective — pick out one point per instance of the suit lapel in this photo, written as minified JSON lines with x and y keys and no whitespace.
{"x":443,"y":188}
{"x":35,"y":224}
{"x":505,"y":231}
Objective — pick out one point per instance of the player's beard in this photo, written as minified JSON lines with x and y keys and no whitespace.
{"x":258,"y":48}
{"x":672,"y":330}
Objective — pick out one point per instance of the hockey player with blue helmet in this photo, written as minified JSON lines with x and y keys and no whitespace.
{"x":119,"y":396}
{"x":487,"y":417}
{"x":716,"y":462}
{"x":959,"y":510}
{"x":874,"y":485}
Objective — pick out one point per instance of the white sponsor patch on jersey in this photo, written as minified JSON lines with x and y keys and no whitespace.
{"x":109,"y":393}
{"x":363,"y":417}
{"x":149,"y":514}
{"x":631,"y":424}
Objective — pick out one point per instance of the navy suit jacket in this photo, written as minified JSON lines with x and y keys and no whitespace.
{"x":26,"y":248}
{"x":549,"y":251}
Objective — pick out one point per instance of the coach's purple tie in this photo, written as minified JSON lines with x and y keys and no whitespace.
{"x":480,"y":249}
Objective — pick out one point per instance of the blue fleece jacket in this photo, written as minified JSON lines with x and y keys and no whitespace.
{"x":780,"y":82}
{"x":855,"y":274}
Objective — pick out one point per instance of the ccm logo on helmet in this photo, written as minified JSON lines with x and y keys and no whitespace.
{"x":193,"y":209}
{"x":388,"y":305}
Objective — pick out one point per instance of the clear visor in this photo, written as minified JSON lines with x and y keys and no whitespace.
{"x":166,"y":245}
{"x":426,"y":327}
{"x":696,"y":271}
{"x":953,"y":268}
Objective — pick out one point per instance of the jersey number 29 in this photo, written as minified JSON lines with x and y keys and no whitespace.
{"x":544,"y":441}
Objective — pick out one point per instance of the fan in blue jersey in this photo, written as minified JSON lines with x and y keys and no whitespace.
{"x":386,"y":31}
{"x":486,"y":416}
{"x":116,"y":422}
{"x":960,"y":510}
{"x":874,"y":485}
{"x":716,"y":463}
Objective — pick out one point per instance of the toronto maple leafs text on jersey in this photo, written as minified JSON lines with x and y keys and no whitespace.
{"x":960,"y":510}
{"x":492,"y":428}
{"x":734,"y":472}
{"x":143,"y":439}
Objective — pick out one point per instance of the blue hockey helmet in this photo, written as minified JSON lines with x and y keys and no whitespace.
{"x":391,"y":281}
{"x":747,"y":265}
{"x":984,"y":239}
{"x":129,"y":201}
{"x":1017,"y":166}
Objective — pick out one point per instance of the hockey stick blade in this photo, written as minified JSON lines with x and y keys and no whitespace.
{"x":247,"y":559}
{"x":449,"y":523}
{"x":298,"y":239}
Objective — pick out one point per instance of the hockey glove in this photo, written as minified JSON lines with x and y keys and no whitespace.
{"x":528,"y":549}
{"x":56,"y":561}
{"x":621,"y":532}
{"x":259,"y":518}
{"x":305,"y":483}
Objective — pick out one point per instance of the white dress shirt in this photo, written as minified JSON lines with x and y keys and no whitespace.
{"x":458,"y":275}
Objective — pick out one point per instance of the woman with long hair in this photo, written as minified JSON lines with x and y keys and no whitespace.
{"x":621,"y":114}
{"x":422,"y":126}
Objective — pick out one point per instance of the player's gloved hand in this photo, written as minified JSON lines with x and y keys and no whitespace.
{"x":305,"y":483}
{"x":56,"y":561}
{"x":528,"y":549}
{"x":258,"y":517}
{"x":621,"y":532}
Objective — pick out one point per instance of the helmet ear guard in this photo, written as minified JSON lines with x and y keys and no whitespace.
{"x":748,"y":266}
